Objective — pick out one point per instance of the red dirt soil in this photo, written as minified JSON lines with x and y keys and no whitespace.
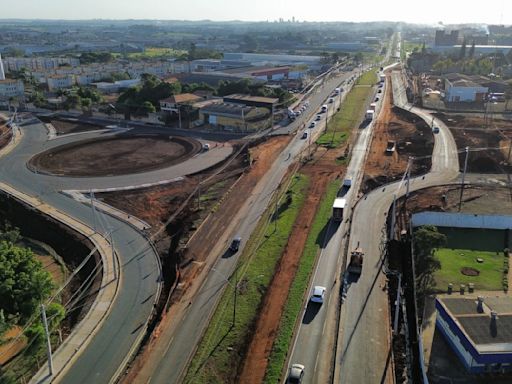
{"x":413,"y":138}
{"x":321,"y":171}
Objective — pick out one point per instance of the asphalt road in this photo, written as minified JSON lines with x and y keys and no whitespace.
{"x":190,"y":326}
{"x":139,"y":264}
{"x":363,"y":350}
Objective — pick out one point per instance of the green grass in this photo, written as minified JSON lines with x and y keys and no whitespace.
{"x":300,"y":283}
{"x":368,"y":78}
{"x":154,"y":52}
{"x":452,"y":260}
{"x":219,"y":352}
{"x":347,"y":118}
{"x":463,"y":247}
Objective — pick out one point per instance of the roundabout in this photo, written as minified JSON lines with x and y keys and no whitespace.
{"x":121,"y":154}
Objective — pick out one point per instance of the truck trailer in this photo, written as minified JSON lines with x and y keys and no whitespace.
{"x":337,"y":209}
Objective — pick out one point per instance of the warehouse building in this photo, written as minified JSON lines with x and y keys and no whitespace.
{"x":235,"y":117}
{"x":478,"y":330}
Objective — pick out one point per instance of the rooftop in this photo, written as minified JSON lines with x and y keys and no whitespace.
{"x":257,"y":99}
{"x":181,"y":98}
{"x":236,"y":110}
{"x":485,"y":334}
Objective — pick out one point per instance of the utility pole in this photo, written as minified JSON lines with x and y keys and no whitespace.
{"x":48,"y":342}
{"x":509,"y":150}
{"x":111,"y":239}
{"x":409,"y":166}
{"x":463,"y":177}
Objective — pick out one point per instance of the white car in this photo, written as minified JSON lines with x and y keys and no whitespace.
{"x":318,"y":294}
{"x":296,"y":374}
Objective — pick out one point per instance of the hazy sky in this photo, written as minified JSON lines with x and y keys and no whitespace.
{"x":429,"y":11}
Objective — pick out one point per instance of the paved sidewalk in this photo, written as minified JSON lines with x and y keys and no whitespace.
{"x":75,"y":343}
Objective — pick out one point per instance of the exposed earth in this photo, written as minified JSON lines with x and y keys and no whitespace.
{"x":488,"y":141}
{"x":5,"y":134}
{"x":116,"y":155}
{"x":413,"y":137}
{"x":64,"y":127}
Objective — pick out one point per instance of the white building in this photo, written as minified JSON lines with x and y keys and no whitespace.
{"x":38,"y":63}
{"x":11,"y":88}
{"x":460,"y":88}
{"x":59,"y":82}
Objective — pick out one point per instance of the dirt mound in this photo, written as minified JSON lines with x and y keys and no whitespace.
{"x":116,"y":155}
{"x":468,"y":271}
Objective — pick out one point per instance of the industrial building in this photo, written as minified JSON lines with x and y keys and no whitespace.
{"x":235,"y":117}
{"x":462,"y":88}
{"x":252,"y":101}
{"x":446,"y":39}
{"x":478,"y":331}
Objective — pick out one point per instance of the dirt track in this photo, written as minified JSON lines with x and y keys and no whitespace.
{"x":64,"y":127}
{"x":119,"y":155}
{"x":413,"y":138}
{"x":321,"y":171}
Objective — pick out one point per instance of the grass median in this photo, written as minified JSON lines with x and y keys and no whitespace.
{"x":300,"y":283}
{"x":221,"y":349}
{"x":349,"y":116}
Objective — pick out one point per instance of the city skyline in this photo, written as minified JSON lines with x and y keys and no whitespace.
{"x":492,"y":12}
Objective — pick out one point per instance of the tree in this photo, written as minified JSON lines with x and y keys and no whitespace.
{"x":462,"y":52}
{"x":471,"y":52}
{"x":426,"y":240}
{"x":24,"y":283}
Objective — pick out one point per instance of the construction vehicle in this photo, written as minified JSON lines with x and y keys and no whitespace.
{"x":356,"y":261}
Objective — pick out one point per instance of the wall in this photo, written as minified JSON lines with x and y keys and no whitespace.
{"x":462,"y":220}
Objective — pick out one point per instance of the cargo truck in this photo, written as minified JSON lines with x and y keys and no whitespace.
{"x":337,"y":209}
{"x":356,"y":261}
{"x":369,"y":115}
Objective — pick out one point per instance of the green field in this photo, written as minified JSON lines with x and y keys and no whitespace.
{"x":300,"y":283}
{"x":223,"y":343}
{"x":368,"y":78}
{"x":463,"y":247}
{"x":348,"y":117}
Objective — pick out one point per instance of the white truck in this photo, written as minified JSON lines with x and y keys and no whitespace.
{"x":369,"y":115}
{"x":337,"y":208}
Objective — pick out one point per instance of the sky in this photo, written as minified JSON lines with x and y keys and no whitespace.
{"x":414,"y":11}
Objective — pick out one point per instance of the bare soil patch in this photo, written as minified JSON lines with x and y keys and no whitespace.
{"x":413,"y":137}
{"x":468,"y":271}
{"x":64,"y":127}
{"x":118,"y":155}
{"x":488,"y":141}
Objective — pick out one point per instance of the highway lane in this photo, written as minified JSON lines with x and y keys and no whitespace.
{"x":139,"y":264}
{"x":363,"y":349}
{"x":313,"y":344}
{"x":190,"y":325}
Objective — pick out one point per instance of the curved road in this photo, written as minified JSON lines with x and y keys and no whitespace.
{"x":140,"y":277}
{"x":363,"y":354}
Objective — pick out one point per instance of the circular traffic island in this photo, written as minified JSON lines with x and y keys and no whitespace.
{"x":115,"y":155}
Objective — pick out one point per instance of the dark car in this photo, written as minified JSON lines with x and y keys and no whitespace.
{"x":235,"y":244}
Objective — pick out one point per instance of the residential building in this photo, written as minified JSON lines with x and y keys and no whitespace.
{"x":38,"y":63}
{"x":478,"y":331}
{"x":55,"y":82}
{"x":172,"y":104}
{"x":461,"y":88}
{"x":235,"y":117}
{"x":11,"y":88}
